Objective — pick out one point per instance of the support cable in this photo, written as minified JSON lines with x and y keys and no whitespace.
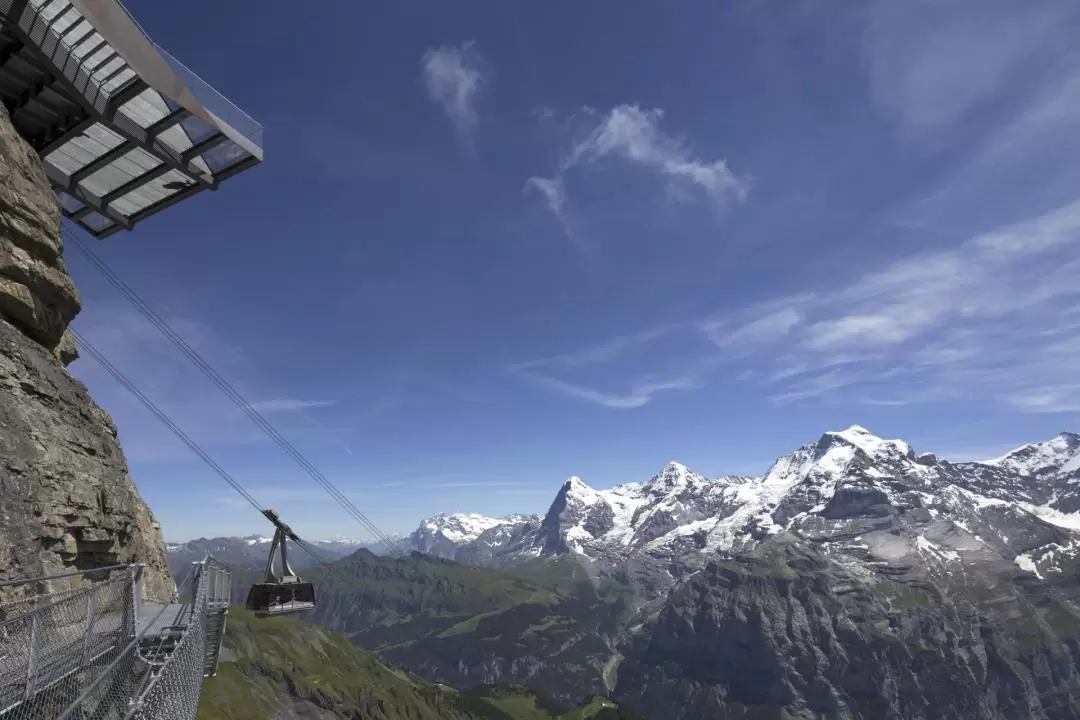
{"x":128,"y":385}
{"x":70,"y":234}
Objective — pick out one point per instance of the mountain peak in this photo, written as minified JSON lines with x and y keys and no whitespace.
{"x":1061,"y":453}
{"x":868,"y":442}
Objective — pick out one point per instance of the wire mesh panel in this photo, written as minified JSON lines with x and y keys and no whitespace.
{"x":86,"y":653}
{"x":173,"y":689}
{"x":52,"y":647}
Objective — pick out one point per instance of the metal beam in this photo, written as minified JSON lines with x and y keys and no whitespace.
{"x":176,"y":116}
{"x":59,"y":141}
{"x":135,"y":183}
{"x":30,"y":93}
{"x":128,"y":92}
{"x":208,"y":144}
{"x":105,"y":80}
{"x":108,"y":59}
{"x":94,"y":165}
{"x":173,"y":199}
{"x":14,"y":14}
{"x":123,"y":125}
{"x":11,"y":50}
{"x":91,"y":201}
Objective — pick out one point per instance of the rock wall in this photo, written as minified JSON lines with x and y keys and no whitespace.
{"x":66,"y":498}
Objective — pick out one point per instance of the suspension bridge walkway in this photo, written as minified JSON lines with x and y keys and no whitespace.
{"x":97,"y":652}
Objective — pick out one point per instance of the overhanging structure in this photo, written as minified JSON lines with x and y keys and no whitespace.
{"x":123,"y":128}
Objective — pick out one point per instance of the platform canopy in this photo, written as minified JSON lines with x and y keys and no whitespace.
{"x":124,"y":129}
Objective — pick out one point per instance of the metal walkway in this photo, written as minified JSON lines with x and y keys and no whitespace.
{"x":97,"y":652}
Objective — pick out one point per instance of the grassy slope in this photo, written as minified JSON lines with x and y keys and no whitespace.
{"x":272,"y":664}
{"x":384,"y":602}
{"x":284,"y":668}
{"x":456,"y":623}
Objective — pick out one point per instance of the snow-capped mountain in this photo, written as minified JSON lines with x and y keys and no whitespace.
{"x":469,"y":537}
{"x":859,"y":497}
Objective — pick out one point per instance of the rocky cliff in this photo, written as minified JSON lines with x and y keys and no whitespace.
{"x":66,"y":498}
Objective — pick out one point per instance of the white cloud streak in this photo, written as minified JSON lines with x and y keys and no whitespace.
{"x":288,"y":404}
{"x":984,"y":318}
{"x":453,"y":78}
{"x":995,"y":319}
{"x":599,"y":353}
{"x":928,"y":64}
{"x":633,"y":135}
{"x":642,"y":393}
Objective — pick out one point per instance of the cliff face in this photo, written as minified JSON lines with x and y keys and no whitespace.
{"x":785,"y":632}
{"x":66,"y":499}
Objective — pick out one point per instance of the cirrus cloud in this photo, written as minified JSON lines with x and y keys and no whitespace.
{"x":453,"y":78}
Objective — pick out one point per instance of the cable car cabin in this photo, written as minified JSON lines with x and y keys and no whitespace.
{"x":269,"y":599}
{"x":285,"y":593}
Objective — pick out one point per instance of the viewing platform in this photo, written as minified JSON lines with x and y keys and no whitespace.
{"x":123,"y":128}
{"x":96,"y":650}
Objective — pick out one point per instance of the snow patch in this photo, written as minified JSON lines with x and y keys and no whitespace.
{"x":869,"y":443}
{"x":465,"y":527}
{"x":926,"y":546}
{"x":1027,"y":564}
{"x":1069,"y":521}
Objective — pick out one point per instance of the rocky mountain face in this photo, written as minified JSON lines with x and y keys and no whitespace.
{"x":856,"y":579}
{"x":66,"y":499}
{"x":472,"y":538}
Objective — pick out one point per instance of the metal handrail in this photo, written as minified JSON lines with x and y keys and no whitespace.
{"x":73,"y":573}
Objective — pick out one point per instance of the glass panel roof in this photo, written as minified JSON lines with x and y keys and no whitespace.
{"x":122,"y":170}
{"x":83,"y":48}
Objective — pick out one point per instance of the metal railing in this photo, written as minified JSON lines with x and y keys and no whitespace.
{"x":210,"y":98}
{"x":173,"y":689}
{"x":53,"y":646}
{"x":213,"y":100}
{"x":86,"y":652}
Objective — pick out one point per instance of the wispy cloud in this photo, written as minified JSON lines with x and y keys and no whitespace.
{"x":642,"y":392}
{"x":599,"y":353}
{"x":996,"y":318}
{"x":984,"y":318}
{"x":453,"y":77}
{"x":303,"y":492}
{"x":633,"y":135}
{"x":554,"y":194}
{"x":540,"y":371}
{"x":762,"y":324}
{"x":288,"y":404}
{"x":929,"y":65}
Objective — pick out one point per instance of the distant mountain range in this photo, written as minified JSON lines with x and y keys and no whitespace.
{"x":855,"y":579}
{"x":664,"y":529}
{"x":250,"y":553}
{"x":846,"y":490}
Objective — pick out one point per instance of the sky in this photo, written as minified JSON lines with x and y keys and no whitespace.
{"x":496,"y":244}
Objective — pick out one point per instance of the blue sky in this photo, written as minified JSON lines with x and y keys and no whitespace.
{"x":493,"y":245}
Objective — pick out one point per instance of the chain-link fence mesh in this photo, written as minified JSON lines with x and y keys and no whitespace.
{"x":52,"y":647}
{"x":85,"y":654}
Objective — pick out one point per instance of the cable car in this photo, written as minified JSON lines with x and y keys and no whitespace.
{"x":282,"y":594}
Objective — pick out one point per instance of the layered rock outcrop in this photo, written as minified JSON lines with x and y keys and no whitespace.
{"x":66,"y":498}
